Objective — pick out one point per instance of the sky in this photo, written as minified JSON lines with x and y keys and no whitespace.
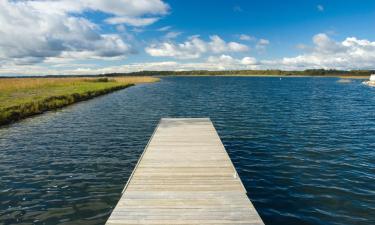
{"x":43,"y":37}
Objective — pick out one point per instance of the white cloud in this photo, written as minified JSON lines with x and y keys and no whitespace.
{"x":194,"y":47}
{"x":172,"y":34}
{"x":351,"y":53}
{"x":324,"y":44}
{"x":32,"y":31}
{"x":212,"y":54}
{"x":245,"y":37}
{"x":262,"y":44}
{"x":222,"y":62}
{"x":320,"y":8}
{"x":137,"y":22}
{"x":136,"y":13}
{"x":166,"y":28}
{"x":228,"y":62}
{"x":223,"y":59}
{"x":218,"y":45}
{"x":248,"y":61}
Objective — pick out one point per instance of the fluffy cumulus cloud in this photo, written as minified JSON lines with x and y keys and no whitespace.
{"x":194,"y":47}
{"x":35,"y":31}
{"x":226,"y":62}
{"x":218,"y":62}
{"x":136,"y":13}
{"x":351,"y":53}
{"x":54,"y":37}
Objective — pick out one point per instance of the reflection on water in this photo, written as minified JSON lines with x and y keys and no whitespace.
{"x":304,"y":148}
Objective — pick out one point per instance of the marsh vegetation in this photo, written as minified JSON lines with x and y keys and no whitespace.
{"x":23,"y":97}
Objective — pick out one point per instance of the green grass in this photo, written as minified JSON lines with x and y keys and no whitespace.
{"x":21,"y":98}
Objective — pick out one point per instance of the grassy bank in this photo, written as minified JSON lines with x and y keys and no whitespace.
{"x":23,"y":97}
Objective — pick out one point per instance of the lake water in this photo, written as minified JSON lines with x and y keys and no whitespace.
{"x":303,"y":147}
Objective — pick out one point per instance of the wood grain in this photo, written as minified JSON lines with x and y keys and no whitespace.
{"x":184,"y":176}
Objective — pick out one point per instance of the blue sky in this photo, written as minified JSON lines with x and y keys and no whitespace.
{"x":284,"y":23}
{"x":99,"y":36}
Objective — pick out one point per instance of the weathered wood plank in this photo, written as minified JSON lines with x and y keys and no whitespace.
{"x":184,"y":176}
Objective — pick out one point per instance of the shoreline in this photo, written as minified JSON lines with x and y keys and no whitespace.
{"x":9,"y":115}
{"x":261,"y":75}
{"x":17,"y":112}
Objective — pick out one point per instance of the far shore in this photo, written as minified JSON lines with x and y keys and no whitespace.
{"x":349,"y":74}
{"x":262,"y":75}
{"x":345,"y":74}
{"x":24,"y":97}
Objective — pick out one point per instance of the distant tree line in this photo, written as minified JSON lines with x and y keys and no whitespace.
{"x":310,"y":72}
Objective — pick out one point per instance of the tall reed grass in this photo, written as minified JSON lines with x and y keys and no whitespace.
{"x":23,"y":97}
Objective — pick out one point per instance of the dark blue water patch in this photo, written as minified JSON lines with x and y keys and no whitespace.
{"x":304,"y":148}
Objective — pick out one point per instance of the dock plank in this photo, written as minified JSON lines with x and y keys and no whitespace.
{"x":184,"y":176}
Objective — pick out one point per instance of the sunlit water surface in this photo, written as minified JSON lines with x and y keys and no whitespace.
{"x":304,"y":148}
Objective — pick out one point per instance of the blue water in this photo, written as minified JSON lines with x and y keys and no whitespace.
{"x":304,"y":148}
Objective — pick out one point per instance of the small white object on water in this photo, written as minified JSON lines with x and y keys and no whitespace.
{"x":371,"y":81}
{"x":344,"y":81}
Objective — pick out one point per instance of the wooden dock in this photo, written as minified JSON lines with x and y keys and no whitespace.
{"x":184,"y":176}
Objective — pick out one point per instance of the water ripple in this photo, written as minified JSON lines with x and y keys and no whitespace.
{"x":304,"y":149}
